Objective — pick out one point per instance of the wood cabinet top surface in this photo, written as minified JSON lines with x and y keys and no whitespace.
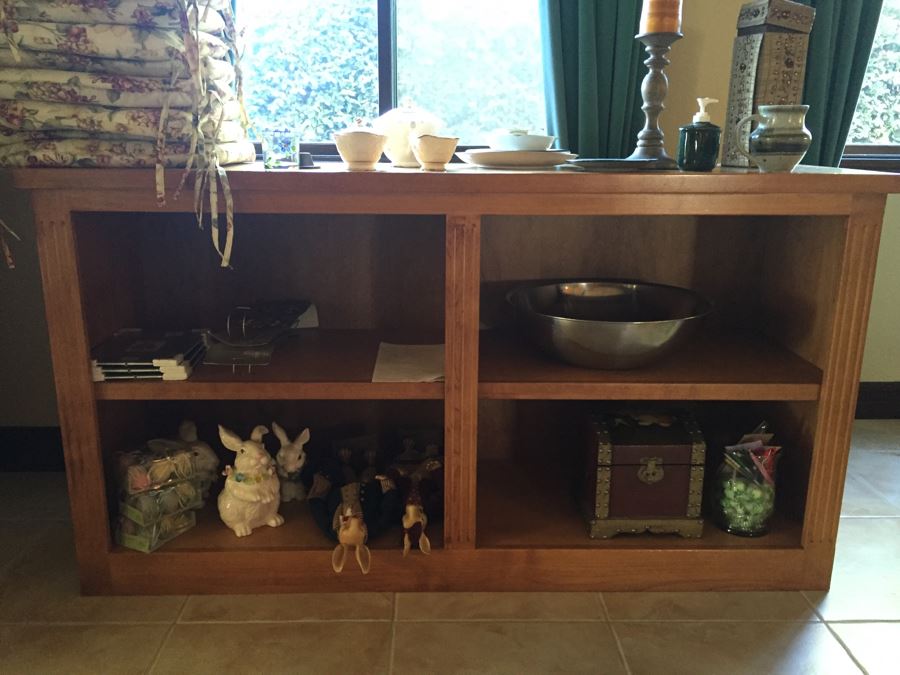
{"x":333,"y":178}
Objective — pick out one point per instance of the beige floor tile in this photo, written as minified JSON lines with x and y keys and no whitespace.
{"x":499,"y":606}
{"x":874,"y":645}
{"x":717,"y":648}
{"x":16,"y":538}
{"x":42,"y":585}
{"x":875,"y":458}
{"x":746,"y":606}
{"x":865,"y":583}
{"x":869,"y":434}
{"x":289,"y":607}
{"x":862,"y":500}
{"x":277,"y":648}
{"x":79,"y":649}
{"x":497,"y":647}
{"x":34,"y":496}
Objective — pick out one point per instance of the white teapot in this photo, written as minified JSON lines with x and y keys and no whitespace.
{"x":397,"y":125}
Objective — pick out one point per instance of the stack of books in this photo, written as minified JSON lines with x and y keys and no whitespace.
{"x":139,"y":354}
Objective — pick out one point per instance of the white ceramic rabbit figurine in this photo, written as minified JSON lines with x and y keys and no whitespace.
{"x":290,"y":460}
{"x":250,"y":496}
{"x":351,"y":531}
{"x":206,"y":462}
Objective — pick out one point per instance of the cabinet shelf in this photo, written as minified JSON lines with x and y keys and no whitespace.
{"x":299,"y":532}
{"x":318,"y":364}
{"x":522,"y":506}
{"x":711,"y":367}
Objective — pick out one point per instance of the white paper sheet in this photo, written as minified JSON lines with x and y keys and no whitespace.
{"x":409,"y":363}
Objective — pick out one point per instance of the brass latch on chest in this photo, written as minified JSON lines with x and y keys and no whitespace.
{"x":651,"y":470}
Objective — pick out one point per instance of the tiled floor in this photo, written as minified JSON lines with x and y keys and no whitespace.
{"x":46,"y":627}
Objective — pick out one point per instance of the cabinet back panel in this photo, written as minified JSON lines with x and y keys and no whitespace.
{"x":773,"y":275}
{"x":715,"y":256}
{"x":382,"y":273}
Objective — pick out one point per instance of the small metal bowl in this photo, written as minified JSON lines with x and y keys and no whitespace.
{"x":608,"y":324}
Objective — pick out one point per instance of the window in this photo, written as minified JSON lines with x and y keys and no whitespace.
{"x":313,"y":65}
{"x":875,"y":130}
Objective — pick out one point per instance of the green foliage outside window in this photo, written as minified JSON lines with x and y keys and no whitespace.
{"x":877,"y":117}
{"x":312,"y":65}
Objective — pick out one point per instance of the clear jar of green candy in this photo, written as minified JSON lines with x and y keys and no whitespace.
{"x":744,"y":497}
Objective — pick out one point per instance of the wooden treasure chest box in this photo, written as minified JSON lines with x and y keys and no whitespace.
{"x":643,"y":473}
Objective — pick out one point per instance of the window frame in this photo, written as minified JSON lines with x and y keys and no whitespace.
{"x":871,"y":157}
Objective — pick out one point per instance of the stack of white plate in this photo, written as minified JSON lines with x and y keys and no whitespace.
{"x":516,"y":159}
{"x":517,"y":149}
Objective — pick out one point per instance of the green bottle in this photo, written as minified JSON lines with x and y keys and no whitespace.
{"x":698,"y":143}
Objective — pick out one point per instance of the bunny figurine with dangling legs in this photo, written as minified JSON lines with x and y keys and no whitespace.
{"x":290,"y":461}
{"x":351,"y":531}
{"x":250,"y":498}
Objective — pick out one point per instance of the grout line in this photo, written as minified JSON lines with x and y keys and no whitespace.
{"x":615,"y":635}
{"x":603,"y":606}
{"x":28,"y":622}
{"x":181,"y":610}
{"x":852,"y":621}
{"x":846,"y":649}
{"x":393,"y":636}
{"x":236,"y":622}
{"x":883,"y":517}
{"x":162,"y":646}
{"x":612,"y":627}
{"x":812,"y":607}
{"x":500,"y":619}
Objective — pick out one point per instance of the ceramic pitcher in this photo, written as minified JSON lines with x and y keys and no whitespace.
{"x":781,"y":139}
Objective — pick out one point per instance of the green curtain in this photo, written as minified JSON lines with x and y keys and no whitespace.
{"x":593,"y":69}
{"x":839,"y":47}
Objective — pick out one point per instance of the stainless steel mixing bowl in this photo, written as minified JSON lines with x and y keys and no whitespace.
{"x":608,"y":324}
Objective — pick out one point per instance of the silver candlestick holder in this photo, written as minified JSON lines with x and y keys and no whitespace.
{"x":651,"y":150}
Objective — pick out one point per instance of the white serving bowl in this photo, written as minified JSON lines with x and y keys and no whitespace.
{"x":360,"y":149}
{"x":521,"y":141}
{"x":433,"y":152}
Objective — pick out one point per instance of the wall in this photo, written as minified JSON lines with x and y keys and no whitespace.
{"x":700,"y":67}
{"x":27,"y":397}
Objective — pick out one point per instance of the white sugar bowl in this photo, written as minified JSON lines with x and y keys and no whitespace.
{"x":433,"y":152}
{"x":398,"y":124}
{"x":360,"y":148}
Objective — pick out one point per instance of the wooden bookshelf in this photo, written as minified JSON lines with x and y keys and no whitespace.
{"x":788,"y":261}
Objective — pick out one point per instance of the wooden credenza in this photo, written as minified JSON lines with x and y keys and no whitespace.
{"x":404,"y":256}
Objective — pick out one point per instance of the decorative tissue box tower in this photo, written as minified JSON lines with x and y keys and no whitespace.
{"x":768,"y":64}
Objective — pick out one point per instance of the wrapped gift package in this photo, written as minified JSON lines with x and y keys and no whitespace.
{"x":768,"y":65}
{"x":147,"y":539}
{"x":148,"y":508}
{"x":160,"y":462}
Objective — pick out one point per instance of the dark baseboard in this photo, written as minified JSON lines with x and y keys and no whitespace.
{"x":878,"y":401}
{"x":31,"y":449}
